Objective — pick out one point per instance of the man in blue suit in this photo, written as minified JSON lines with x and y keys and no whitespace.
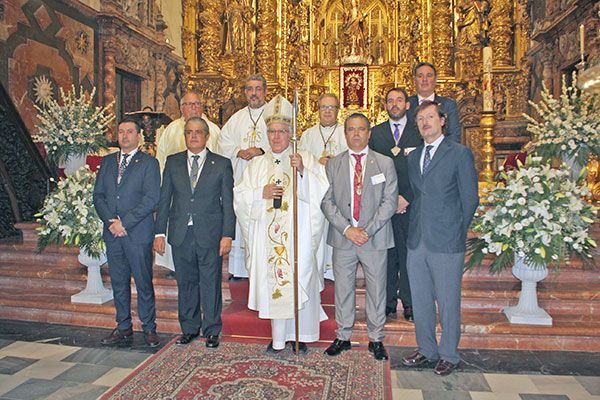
{"x":125,"y":196}
{"x":196,"y":209}
{"x":425,"y":78}
{"x":444,"y":182}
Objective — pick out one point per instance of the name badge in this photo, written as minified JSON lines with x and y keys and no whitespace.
{"x":407,"y":150}
{"x":377,"y":179}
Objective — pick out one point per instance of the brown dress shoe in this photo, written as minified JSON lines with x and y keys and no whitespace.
{"x":116,"y":336}
{"x":444,"y":368}
{"x":152,"y":338}
{"x":414,"y":359}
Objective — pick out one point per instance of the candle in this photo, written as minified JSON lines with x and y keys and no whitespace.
{"x":488,"y":95}
{"x":582,"y":41}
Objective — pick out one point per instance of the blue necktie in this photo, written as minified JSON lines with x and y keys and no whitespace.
{"x":397,"y":133}
{"x":427,"y":158}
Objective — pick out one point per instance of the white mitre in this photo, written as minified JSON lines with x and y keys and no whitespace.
{"x":278,"y":110}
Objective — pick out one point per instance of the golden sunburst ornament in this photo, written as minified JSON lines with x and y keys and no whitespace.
{"x":43,"y":90}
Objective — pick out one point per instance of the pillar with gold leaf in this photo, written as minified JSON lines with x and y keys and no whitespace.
{"x":486,"y":123}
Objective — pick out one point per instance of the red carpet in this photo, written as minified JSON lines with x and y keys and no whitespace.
{"x":238,"y":370}
{"x":238,"y":320}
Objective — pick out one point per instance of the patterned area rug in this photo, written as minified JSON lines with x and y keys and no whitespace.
{"x":245,"y":371}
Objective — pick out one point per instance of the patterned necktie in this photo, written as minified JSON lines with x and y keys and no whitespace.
{"x":122,"y":166}
{"x":194,"y":172}
{"x":427,"y":158}
{"x":357,"y":186}
{"x":397,"y":133}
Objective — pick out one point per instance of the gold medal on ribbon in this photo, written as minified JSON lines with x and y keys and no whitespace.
{"x":395,"y":150}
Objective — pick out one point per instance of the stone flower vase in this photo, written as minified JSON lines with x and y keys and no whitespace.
{"x":94,"y":292}
{"x":73,"y":163}
{"x":527,"y":310}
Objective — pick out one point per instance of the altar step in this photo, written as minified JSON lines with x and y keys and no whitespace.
{"x":37,"y":287}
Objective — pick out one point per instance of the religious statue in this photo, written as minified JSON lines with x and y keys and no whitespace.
{"x":468,"y":27}
{"x":236,"y":19}
{"x":352,"y":88}
{"x":354,"y":28}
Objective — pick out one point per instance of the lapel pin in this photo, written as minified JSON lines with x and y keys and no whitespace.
{"x":212,"y":162}
{"x":137,"y":160}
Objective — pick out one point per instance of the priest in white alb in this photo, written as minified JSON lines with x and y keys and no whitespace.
{"x":244,"y":137}
{"x":263,"y":202}
{"x":325,"y":140}
{"x":171,"y":141}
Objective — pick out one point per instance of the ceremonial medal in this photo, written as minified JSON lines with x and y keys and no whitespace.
{"x":324,"y":154}
{"x":359,"y":190}
{"x":395,"y":150}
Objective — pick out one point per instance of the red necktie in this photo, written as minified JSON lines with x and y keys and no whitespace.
{"x":357,"y":186}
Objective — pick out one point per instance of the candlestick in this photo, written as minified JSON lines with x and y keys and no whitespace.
{"x":582,"y":41}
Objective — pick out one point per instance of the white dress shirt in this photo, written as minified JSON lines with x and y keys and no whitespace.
{"x":431,"y":97}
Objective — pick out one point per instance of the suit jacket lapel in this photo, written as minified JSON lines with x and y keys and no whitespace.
{"x":371,"y":169}
{"x":438,"y":155}
{"x":415,"y":172}
{"x":130,"y":166}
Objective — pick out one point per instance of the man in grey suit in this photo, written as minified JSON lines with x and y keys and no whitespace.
{"x":396,"y":138}
{"x":125,"y":196}
{"x":425,"y":78}
{"x":359,"y":204}
{"x":444,"y":181}
{"x":196,"y":202}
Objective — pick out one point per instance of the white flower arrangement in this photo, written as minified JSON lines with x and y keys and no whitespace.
{"x":69,"y":216}
{"x":539,"y":214}
{"x":75,"y":128}
{"x":569,"y":126}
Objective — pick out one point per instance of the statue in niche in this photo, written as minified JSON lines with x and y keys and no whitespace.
{"x":474,"y":24}
{"x":236,"y":20}
{"x":354,"y":28}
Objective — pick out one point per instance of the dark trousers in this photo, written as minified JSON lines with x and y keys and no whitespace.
{"x":397,"y":277}
{"x":198,"y":271}
{"x":126,"y":258}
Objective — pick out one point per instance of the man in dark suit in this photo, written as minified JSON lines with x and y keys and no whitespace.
{"x":196,"y":202}
{"x":359,"y":204}
{"x":444,"y":181}
{"x":396,"y":138}
{"x":125,"y":196}
{"x":425,"y":78}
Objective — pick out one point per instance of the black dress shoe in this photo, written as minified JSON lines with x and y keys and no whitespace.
{"x":444,"y":368}
{"x":408,"y":314}
{"x":212,"y":341}
{"x":270,"y":349}
{"x":117,"y":335}
{"x":378,"y":350}
{"x":390,"y":312}
{"x":152,"y":339}
{"x":302,"y":347}
{"x":337,"y":347}
{"x":414,"y":359}
{"x":186,"y":338}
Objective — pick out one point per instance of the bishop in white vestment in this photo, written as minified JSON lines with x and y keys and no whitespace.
{"x":268,"y":232}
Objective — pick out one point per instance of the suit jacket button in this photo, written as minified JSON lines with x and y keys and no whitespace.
{"x":118,"y":197}
{"x":192,"y":200}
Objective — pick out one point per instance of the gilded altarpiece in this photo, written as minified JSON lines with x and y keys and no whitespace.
{"x":301,"y":45}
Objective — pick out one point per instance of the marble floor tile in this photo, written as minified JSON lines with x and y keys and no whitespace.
{"x":494,"y":396}
{"x":45,"y":369}
{"x":123,"y":359}
{"x":79,"y":392}
{"x":543,"y":396}
{"x":112,"y":377}
{"x":567,"y":385}
{"x":503,"y":383}
{"x":590,"y":383}
{"x":88,"y":356}
{"x":446,"y":395}
{"x":37,"y":350}
{"x":9,"y":365}
{"x":84,"y":373}
{"x":406,"y":394}
{"x":5,"y":342}
{"x":36,"y":389}
{"x":9,"y":382}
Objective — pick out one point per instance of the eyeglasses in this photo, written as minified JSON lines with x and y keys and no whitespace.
{"x":324,"y":108}
{"x":277,"y":131}
{"x":194,"y":104}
